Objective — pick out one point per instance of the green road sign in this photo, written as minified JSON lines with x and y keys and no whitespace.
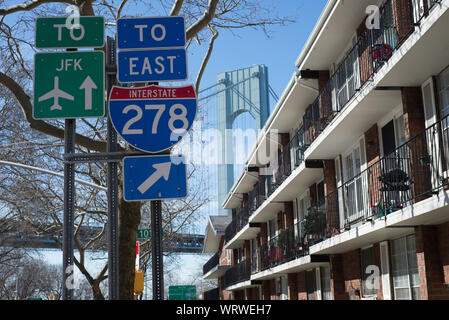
{"x":70,"y":32}
{"x":68,"y":85}
{"x":182,"y":293}
{"x":144,"y":234}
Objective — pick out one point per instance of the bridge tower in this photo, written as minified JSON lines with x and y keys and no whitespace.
{"x":239,"y":91}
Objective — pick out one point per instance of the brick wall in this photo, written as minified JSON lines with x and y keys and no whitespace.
{"x":272,"y":289}
{"x":352,"y":271}
{"x":414,"y":124}
{"x":223,"y":254}
{"x":289,"y":217}
{"x":266,"y":290}
{"x":292,"y":279}
{"x":430,"y":269}
{"x":302,"y":285}
{"x":337,"y":282}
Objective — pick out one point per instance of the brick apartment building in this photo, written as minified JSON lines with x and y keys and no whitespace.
{"x":357,"y":207}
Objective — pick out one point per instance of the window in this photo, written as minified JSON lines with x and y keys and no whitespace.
{"x":303,"y":204}
{"x":320,"y":196}
{"x":443,"y":92}
{"x":273,"y":227}
{"x":254,"y":256}
{"x":325,"y":273}
{"x":405,"y":269}
{"x":354,"y":164}
{"x":367,"y":260}
{"x":281,"y":288}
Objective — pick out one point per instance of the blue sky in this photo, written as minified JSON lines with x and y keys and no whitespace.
{"x":250,"y":47}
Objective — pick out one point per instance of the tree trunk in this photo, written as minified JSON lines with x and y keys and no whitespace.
{"x":97,"y":295}
{"x":129,"y":220}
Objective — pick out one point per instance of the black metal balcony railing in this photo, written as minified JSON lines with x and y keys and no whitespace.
{"x":211,"y":263}
{"x":422,"y":9}
{"x":372,"y":50}
{"x":288,"y":245}
{"x":239,"y":273}
{"x":256,"y":197}
{"x":213,"y":294}
{"x":237,"y":224}
{"x":413,"y":172}
{"x":294,"y":242}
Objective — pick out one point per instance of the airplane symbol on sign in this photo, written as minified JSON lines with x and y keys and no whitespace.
{"x":56,"y":94}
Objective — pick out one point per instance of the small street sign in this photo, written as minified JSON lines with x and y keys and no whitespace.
{"x":152,"y":65}
{"x":150,"y":32}
{"x":144,"y":234}
{"x":182,"y":293}
{"x":154,"y":178}
{"x":152,"y":118}
{"x":68,"y":85}
{"x":64,"y":32}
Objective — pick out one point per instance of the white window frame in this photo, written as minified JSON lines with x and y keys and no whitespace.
{"x":385,"y":270}
{"x":362,"y":294}
{"x":437,"y":160}
{"x":363,"y":167}
{"x":407,"y":264}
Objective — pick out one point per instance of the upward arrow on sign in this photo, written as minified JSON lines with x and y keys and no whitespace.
{"x":88,"y":85}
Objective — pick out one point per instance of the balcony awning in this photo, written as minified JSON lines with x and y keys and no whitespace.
{"x":214,"y":232}
{"x":244,"y":184}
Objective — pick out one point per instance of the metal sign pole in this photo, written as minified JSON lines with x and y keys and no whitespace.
{"x":69,"y":208}
{"x":156,"y":247}
{"x":112,"y":181}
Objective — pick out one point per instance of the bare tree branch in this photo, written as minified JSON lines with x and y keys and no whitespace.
{"x":203,"y":21}
{"x":176,"y":7}
{"x":31,"y":5}
{"x":206,"y":58}
{"x":24,"y":100}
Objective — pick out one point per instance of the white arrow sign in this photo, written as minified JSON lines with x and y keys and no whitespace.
{"x":88,"y":85}
{"x":162,"y":170}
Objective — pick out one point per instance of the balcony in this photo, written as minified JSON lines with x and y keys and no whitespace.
{"x":240,"y":220}
{"x":294,"y":242}
{"x":422,"y":9}
{"x":371,"y":52}
{"x":241,"y":272}
{"x":373,"y":49}
{"x":413,"y":172}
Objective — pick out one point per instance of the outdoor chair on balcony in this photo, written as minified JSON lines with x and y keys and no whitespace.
{"x":393,"y":182}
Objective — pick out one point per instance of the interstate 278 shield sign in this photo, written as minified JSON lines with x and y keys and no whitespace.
{"x":152,"y":118}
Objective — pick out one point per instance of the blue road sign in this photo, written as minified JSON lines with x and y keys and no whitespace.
{"x":151,"y":32}
{"x":154,"y":178}
{"x":152,"y":65}
{"x":152,"y":118}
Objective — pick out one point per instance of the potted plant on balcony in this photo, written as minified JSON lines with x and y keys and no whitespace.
{"x":313,"y":224}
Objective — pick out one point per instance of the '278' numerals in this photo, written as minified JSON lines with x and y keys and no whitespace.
{"x":180,"y":117}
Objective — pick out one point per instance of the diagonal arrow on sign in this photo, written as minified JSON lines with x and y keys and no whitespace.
{"x":88,"y":85}
{"x":162,"y":170}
